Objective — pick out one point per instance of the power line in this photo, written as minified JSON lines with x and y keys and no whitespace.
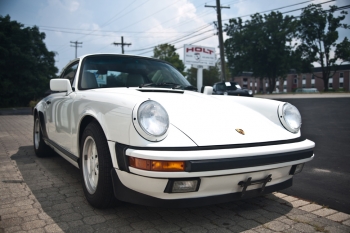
{"x":149,"y":15}
{"x":107,"y":23}
{"x":151,"y":47}
{"x":279,"y":9}
{"x":174,"y":40}
{"x":181,"y":46}
{"x":87,"y":30}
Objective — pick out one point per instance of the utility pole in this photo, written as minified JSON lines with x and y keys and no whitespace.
{"x":76,"y":45}
{"x":122,"y":44}
{"x":221,"y":39}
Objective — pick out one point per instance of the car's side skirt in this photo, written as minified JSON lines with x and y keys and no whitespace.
{"x":63,"y":152}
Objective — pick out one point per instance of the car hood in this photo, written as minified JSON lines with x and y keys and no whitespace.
{"x":210,"y":121}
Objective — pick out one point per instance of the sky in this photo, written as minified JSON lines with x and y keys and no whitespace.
{"x":143,"y":23}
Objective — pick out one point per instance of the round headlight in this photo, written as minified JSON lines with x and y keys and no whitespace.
{"x":152,"y":118}
{"x":290,"y":117}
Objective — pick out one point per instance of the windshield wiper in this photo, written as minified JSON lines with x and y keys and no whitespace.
{"x":166,"y":84}
{"x":190,"y":88}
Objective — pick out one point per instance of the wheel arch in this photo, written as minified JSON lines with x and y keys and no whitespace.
{"x":40,"y":114}
{"x":84,"y":122}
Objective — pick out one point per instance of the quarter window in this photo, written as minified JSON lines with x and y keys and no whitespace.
{"x":70,"y":71}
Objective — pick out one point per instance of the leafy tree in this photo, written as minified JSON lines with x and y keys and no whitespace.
{"x":26,"y":66}
{"x":262,"y":45}
{"x":318,"y":31}
{"x":210,"y":76}
{"x":167,"y":52}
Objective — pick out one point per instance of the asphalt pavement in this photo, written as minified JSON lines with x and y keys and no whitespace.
{"x":326,"y":179}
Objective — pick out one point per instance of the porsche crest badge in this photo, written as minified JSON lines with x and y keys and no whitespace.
{"x":240,"y":131}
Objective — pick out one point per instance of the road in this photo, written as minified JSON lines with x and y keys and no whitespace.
{"x":326,"y":179}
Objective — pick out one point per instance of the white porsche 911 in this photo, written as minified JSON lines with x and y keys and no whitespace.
{"x":139,"y":133}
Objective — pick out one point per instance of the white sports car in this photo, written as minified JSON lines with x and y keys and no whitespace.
{"x":140,"y":133}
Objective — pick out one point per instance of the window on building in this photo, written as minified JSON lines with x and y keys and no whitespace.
{"x":341,"y":80}
{"x":295,"y":80}
{"x":330,"y":83}
{"x":304,"y":76}
{"x":312,"y":76}
{"x":245,"y":79}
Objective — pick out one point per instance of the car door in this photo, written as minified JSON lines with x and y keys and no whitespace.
{"x":59,"y":112}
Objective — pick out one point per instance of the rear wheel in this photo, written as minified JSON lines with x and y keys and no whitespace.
{"x":96,"y":166}
{"x":40,"y":147}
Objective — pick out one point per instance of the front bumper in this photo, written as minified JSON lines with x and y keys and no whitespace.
{"x":220,"y":172}
{"x":127,"y":194}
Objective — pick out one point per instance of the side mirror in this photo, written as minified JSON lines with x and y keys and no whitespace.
{"x":208,"y":90}
{"x":60,"y":84}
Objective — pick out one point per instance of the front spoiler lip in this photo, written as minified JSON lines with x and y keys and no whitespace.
{"x":123,"y":193}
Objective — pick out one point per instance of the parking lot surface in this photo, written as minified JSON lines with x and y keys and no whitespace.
{"x":45,"y":195}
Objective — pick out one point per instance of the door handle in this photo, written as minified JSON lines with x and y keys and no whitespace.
{"x":48,"y":102}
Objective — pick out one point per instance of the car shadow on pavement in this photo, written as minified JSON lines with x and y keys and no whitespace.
{"x":58,"y":204}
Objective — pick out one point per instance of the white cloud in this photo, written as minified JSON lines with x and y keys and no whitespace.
{"x":73,"y":6}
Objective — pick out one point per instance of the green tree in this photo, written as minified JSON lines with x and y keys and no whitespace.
{"x":26,"y":66}
{"x":318,"y":31}
{"x":210,"y":76}
{"x":167,"y":52}
{"x":262,"y":45}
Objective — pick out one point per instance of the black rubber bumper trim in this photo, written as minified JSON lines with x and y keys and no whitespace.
{"x":123,"y":193}
{"x":248,"y":161}
{"x":64,"y":151}
{"x":233,"y":146}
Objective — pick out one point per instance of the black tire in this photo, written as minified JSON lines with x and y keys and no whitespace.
{"x":40,"y":147}
{"x":98,"y":190}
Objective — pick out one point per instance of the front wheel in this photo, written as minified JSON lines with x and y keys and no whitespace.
{"x":40,"y":147}
{"x":96,"y":166}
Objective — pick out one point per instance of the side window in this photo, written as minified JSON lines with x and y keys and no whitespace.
{"x":69,"y":72}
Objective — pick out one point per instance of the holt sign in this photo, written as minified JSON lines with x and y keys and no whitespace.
{"x":199,"y":55}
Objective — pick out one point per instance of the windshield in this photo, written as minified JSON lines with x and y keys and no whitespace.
{"x":108,"y":71}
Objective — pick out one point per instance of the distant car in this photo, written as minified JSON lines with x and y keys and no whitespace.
{"x":306,"y":90}
{"x":230,"y":88}
{"x":139,"y":134}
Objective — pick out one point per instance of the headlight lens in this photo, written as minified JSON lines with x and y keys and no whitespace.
{"x":153,"y":118}
{"x":250,"y":92}
{"x":292,"y":117}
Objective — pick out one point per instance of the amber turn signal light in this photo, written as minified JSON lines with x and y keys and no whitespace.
{"x":155,"y":165}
